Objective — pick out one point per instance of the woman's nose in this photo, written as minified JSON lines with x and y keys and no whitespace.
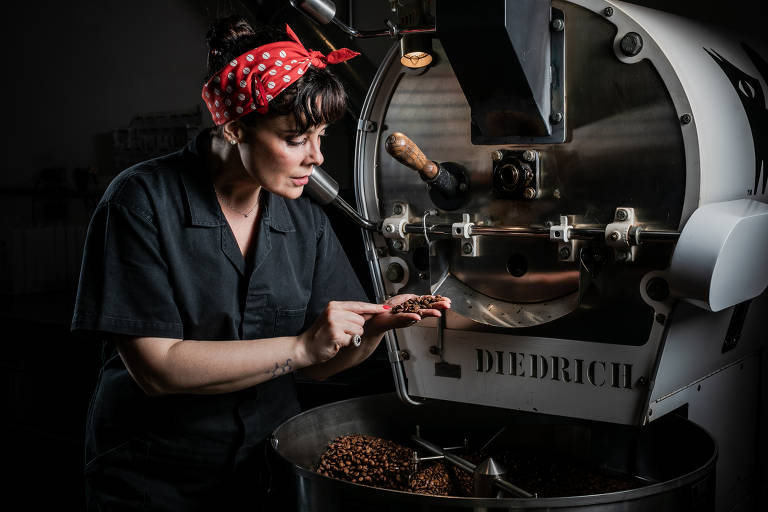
{"x":314,"y":153}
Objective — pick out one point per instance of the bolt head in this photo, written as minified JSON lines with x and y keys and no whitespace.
{"x":622,"y":215}
{"x":556,"y":117}
{"x":433,"y":350}
{"x":397,"y":245}
{"x":389,"y":228}
{"x":565,"y":253}
{"x":615,"y":236}
{"x":631,"y":44}
{"x":622,"y":256}
{"x":608,"y":12}
{"x":405,"y":355}
{"x":558,"y":25}
{"x":381,"y":252}
{"x":398,"y":209}
{"x":497,"y":155}
{"x":467,"y":248}
{"x":529,"y":193}
{"x":685,"y":119}
{"x":529,"y":155}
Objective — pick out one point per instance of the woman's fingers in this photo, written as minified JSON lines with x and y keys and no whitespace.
{"x":360,"y":308}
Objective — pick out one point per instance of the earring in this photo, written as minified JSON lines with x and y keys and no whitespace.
{"x":233,"y":141}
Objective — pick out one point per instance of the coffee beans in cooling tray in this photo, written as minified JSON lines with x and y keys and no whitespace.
{"x":382,"y":463}
{"x":367,"y":460}
{"x":416,"y":304}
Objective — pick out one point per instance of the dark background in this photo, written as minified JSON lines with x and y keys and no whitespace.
{"x":92,"y":87}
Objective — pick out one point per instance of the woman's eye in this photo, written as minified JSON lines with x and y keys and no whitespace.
{"x":296,"y":142}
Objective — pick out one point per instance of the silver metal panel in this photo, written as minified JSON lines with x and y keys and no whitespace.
{"x":604,"y":382}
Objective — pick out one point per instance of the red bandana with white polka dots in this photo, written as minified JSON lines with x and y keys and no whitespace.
{"x":250,"y":81}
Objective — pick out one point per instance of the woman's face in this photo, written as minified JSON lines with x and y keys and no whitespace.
{"x":279,"y":158}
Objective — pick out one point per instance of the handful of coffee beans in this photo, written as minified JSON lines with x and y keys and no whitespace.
{"x":416,"y":304}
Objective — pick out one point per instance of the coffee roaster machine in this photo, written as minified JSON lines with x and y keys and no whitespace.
{"x":584,"y":179}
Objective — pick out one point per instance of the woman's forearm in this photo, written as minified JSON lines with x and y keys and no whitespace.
{"x":166,"y":366}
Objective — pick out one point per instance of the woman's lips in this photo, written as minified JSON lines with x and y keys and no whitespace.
{"x":300,"y":181}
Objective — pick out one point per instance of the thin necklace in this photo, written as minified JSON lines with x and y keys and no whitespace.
{"x":226,"y":203}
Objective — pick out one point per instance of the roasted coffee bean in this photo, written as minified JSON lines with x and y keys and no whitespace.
{"x":431,"y":480}
{"x":381,"y":463}
{"x":416,"y":304}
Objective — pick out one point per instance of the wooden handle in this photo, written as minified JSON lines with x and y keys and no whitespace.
{"x":407,"y":153}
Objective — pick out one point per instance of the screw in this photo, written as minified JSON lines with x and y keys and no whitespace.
{"x":556,"y":193}
{"x":660,"y":318}
{"x":404,"y":355}
{"x":565,"y":253}
{"x":467,"y":248}
{"x":622,"y":256}
{"x":397,"y":245}
{"x":433,"y":350}
{"x":556,"y":117}
{"x":398,"y":209}
{"x":558,"y":25}
{"x":685,"y":119}
{"x":381,"y":252}
{"x":622,"y":214}
{"x":389,"y":228}
{"x":608,"y":12}
{"x":631,"y":44}
{"x":423,"y":275}
{"x":615,"y":236}
{"x":529,"y":156}
{"x":497,"y":155}
{"x":642,"y":381}
{"x":529,"y":193}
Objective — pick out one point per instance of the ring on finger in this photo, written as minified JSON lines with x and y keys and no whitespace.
{"x":357,"y":340}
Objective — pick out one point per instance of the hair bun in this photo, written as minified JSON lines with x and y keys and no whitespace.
{"x":224,"y":33}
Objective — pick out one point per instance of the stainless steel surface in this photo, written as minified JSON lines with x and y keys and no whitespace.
{"x":322,"y":11}
{"x":321,"y":186}
{"x":673,"y":452}
{"x":623,"y":148}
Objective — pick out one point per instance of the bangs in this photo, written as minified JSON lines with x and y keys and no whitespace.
{"x":315,"y":99}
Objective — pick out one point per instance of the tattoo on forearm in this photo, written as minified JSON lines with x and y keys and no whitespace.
{"x":281,"y":369}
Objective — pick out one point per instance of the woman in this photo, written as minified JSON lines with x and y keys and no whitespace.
{"x":215,"y":281}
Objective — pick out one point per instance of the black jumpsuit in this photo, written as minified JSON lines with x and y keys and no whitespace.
{"x":160,"y":260}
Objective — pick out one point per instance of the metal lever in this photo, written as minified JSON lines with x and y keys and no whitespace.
{"x":448,"y":183}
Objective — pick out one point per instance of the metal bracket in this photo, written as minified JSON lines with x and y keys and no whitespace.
{"x":394,"y":227}
{"x":617,"y":235}
{"x":463,"y":231}
{"x":561,"y":232}
{"x":567,"y":248}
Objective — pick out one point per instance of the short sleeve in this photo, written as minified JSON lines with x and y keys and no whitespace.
{"x":334,"y":277}
{"x":124,"y":286}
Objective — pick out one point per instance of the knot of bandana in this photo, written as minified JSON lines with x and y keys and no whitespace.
{"x":249,"y":82}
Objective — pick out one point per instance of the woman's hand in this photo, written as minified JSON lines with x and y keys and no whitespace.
{"x":383,"y":321}
{"x":335,"y":328}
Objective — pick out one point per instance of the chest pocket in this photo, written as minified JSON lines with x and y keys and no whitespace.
{"x":288,"y":322}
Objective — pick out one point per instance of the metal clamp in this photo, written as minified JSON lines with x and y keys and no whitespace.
{"x":463,"y":231}
{"x":394,"y":227}
{"x":561,"y":232}
{"x":617,"y":234}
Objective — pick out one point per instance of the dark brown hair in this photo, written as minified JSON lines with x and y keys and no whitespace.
{"x":232,"y":36}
